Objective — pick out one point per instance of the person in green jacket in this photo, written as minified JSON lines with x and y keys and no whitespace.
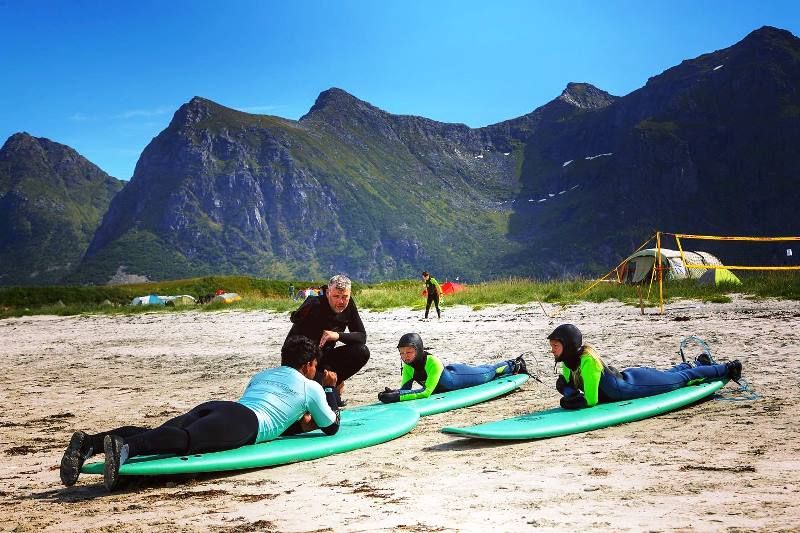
{"x":434,"y":292}
{"x":587,"y":380}
{"x":428,"y":370}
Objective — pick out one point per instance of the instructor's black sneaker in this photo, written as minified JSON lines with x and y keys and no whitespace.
{"x":78,"y":450}
{"x":734,"y":370}
{"x":116,"y":454}
{"x":520,"y":367}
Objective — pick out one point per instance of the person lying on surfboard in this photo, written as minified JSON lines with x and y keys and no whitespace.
{"x":426,"y":369}
{"x":276,"y":401}
{"x":587,"y":380}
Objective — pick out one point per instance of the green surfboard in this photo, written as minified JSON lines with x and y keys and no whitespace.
{"x":456,"y":399}
{"x":557,"y":422}
{"x":360,"y":427}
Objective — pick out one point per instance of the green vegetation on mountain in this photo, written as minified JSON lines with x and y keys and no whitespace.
{"x":708,"y":146}
{"x":51,"y":203}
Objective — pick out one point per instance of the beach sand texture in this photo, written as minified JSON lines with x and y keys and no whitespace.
{"x":718,"y":466}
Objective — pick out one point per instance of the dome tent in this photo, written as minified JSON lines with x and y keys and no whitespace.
{"x":639,"y":266}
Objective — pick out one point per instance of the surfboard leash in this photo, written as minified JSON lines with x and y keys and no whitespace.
{"x":748,"y":394}
{"x":538,"y":368}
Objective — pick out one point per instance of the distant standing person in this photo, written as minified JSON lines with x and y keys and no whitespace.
{"x":324,"y":319}
{"x":434,"y":291}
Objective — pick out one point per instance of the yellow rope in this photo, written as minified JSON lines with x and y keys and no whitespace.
{"x":719,"y":238}
{"x":599,"y":280}
{"x":658,"y":265}
{"x":731,"y":267}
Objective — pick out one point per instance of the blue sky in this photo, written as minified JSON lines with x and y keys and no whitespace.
{"x":105,"y":77}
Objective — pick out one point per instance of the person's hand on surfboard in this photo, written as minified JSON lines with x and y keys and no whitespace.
{"x":389,"y":395}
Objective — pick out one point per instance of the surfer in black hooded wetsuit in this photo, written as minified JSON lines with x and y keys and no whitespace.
{"x":276,"y":401}
{"x":323,"y":319}
{"x":426,"y":369}
{"x":587,"y":380}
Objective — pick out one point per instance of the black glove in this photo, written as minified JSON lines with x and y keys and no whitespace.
{"x":389,"y":396}
{"x":576,"y":401}
{"x":561,"y":383}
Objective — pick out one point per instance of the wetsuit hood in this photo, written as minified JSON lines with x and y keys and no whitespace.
{"x":415,"y":341}
{"x":571,"y":339}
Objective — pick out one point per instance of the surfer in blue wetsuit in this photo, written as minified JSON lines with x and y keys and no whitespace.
{"x":275,"y":400}
{"x":426,"y":369}
{"x":587,"y":380}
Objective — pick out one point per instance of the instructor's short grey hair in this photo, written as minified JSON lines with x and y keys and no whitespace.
{"x":341,"y":282}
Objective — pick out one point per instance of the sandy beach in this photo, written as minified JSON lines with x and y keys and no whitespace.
{"x":727,"y":464}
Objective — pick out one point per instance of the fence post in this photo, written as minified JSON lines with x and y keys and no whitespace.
{"x":660,"y":274}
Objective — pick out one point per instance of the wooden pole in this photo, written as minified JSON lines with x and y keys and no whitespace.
{"x":639,"y":292}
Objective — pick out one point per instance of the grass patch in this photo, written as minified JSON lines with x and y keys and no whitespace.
{"x":261,"y":294}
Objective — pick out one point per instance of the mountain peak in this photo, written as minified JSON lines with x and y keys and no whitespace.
{"x":25,"y":142}
{"x":19,"y":139}
{"x":585,"y":96}
{"x":768,"y":33}
{"x":336,"y":101}
{"x":193,"y":111}
{"x":334,"y":96}
{"x":20,"y":136}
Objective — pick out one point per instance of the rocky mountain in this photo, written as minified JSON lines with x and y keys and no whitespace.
{"x":51,"y":203}
{"x":706,"y":147}
{"x":348,"y":187}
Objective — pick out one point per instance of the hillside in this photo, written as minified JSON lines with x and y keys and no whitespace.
{"x":51,"y":202}
{"x":707,"y":146}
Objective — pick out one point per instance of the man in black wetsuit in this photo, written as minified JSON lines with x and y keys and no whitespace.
{"x":324,"y":319}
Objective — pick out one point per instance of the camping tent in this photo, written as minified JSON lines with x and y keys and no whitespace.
{"x":718,"y":276}
{"x":152,"y":299}
{"x":227,"y":297}
{"x":302,"y":294}
{"x":181,"y":299}
{"x":449,"y":287}
{"x":639,"y":266}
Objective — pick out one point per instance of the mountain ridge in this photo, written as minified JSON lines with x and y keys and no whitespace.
{"x":569,"y":188}
{"x":51,"y":202}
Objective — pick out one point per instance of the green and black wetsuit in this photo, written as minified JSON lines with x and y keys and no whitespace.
{"x":434,"y":376}
{"x":434,"y":290}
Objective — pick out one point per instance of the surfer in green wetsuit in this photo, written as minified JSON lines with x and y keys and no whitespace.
{"x":426,"y":369}
{"x":434,"y":292}
{"x":276,"y":401}
{"x":587,"y":380}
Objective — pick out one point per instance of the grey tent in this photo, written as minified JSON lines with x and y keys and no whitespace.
{"x":639,"y":266}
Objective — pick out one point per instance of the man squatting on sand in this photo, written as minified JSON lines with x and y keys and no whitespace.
{"x":323,"y":319}
{"x":277,"y":400}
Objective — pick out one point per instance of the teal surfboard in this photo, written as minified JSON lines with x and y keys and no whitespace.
{"x":447,"y":401}
{"x":360,"y":427}
{"x":558,"y":422}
